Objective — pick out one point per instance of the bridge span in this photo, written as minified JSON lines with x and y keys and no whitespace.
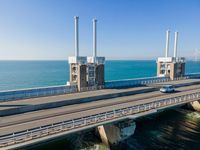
{"x":80,"y":111}
{"x":30,"y":116}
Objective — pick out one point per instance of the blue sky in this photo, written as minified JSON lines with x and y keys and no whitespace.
{"x":127,"y":29}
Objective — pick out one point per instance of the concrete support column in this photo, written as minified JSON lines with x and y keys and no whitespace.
{"x":112,"y":134}
{"x":195,"y":105}
{"x":103,"y":136}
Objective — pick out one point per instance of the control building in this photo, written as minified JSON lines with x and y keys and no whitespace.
{"x":86,"y":72}
{"x":173,"y":67}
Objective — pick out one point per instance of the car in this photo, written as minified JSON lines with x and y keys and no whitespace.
{"x":167,"y":89}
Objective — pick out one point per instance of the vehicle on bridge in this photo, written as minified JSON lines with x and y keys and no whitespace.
{"x":167,"y":89}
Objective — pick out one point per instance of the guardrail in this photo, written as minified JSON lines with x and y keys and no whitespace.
{"x":135,"y":82}
{"x":70,"y":125}
{"x":64,"y":89}
{"x":144,"y":81}
{"x":193,"y":75}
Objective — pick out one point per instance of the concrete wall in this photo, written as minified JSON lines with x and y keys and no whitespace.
{"x":82,"y":76}
{"x":173,"y":67}
{"x":36,"y":92}
{"x":73,"y":75}
{"x":183,"y":69}
{"x":158,"y":68}
{"x":100,"y":74}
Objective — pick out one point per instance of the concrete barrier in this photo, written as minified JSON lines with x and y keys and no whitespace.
{"x":36,"y":92}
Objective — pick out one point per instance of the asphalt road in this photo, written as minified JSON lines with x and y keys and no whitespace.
{"x":20,"y":122}
{"x":67,"y":97}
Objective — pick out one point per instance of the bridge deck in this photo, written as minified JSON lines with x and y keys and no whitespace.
{"x":14,"y":123}
{"x":57,"y":98}
{"x":52,"y":101}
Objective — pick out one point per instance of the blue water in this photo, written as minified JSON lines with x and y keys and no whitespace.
{"x":29,"y":74}
{"x":176,"y":129}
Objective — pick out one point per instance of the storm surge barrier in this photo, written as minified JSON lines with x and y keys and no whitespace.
{"x":65,"y":89}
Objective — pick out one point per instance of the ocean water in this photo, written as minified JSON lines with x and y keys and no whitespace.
{"x":29,"y":74}
{"x":171,"y":130}
{"x":177,"y":129}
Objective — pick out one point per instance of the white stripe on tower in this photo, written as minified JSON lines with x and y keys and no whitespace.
{"x":76,"y":18}
{"x":175,"y":44}
{"x":167,"y":43}
{"x":94,"y":38}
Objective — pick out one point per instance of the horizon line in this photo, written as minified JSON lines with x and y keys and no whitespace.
{"x":67,"y":59}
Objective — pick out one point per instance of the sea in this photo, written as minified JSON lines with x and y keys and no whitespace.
{"x":173,"y":129}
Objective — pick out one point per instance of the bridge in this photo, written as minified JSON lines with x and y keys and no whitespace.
{"x":31,"y":120}
{"x":30,"y":116}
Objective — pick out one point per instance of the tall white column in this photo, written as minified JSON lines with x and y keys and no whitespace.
{"x":175,"y":44}
{"x":167,"y":43}
{"x":76,"y":36}
{"x":94,"y":38}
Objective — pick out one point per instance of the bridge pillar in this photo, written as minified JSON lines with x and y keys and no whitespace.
{"x":194,"y":105}
{"x":103,"y":135}
{"x":112,"y":134}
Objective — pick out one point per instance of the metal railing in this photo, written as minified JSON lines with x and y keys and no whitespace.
{"x":70,"y":125}
{"x":145,"y":81}
{"x":193,"y":75}
{"x":135,"y":82}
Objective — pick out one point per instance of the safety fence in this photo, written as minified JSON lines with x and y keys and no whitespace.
{"x":70,"y":125}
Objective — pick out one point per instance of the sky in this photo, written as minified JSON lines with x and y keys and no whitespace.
{"x":126,"y":29}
